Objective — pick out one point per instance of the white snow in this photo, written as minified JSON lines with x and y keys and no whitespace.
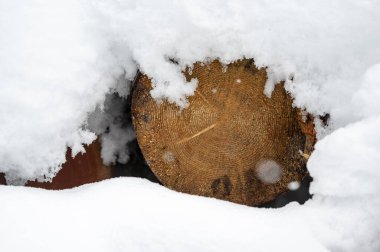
{"x":131,"y":214}
{"x":60,"y":59}
{"x":55,"y":67}
{"x":135,"y":215}
{"x":346,"y":162}
{"x":294,"y":185}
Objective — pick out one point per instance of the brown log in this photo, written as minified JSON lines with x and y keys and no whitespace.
{"x":2,"y":179}
{"x":83,"y":169}
{"x":231,"y":143}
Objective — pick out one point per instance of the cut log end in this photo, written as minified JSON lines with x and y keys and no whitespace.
{"x":231,"y":143}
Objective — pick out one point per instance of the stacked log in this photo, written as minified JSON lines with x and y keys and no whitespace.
{"x":232,"y":142}
{"x":83,"y":169}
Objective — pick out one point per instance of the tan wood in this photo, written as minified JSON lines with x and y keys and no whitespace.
{"x":232,"y":142}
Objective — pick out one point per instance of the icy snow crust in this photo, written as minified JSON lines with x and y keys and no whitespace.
{"x":59,"y":60}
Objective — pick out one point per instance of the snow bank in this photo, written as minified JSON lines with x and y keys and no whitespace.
{"x":54,"y":68}
{"x":132,"y":214}
{"x":346,"y":163}
{"x":135,"y":215}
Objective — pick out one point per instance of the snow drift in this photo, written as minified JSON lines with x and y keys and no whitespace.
{"x":130,"y":214}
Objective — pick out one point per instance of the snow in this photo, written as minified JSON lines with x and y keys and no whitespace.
{"x":348,"y":156}
{"x":294,"y":185}
{"x":135,"y":215}
{"x":130,"y":214}
{"x":64,"y":63}
{"x":51,"y":76}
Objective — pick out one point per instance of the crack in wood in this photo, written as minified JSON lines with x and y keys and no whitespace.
{"x":197,"y":134}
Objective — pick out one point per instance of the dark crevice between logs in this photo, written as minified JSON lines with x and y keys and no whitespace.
{"x":301,"y":195}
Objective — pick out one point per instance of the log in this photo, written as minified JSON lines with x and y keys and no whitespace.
{"x":232,"y":142}
{"x":2,"y":179}
{"x":83,"y":169}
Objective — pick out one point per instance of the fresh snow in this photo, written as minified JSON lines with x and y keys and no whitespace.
{"x":131,"y":214}
{"x":60,"y":61}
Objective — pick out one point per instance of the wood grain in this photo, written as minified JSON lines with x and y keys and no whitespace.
{"x":215,"y":146}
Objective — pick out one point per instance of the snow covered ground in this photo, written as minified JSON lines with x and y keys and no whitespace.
{"x":136,"y":215}
{"x":60,"y":59}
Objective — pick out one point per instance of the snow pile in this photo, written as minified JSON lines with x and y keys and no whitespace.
{"x":54,"y":69}
{"x":346,"y":163}
{"x":131,"y":214}
{"x":59,"y":60}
